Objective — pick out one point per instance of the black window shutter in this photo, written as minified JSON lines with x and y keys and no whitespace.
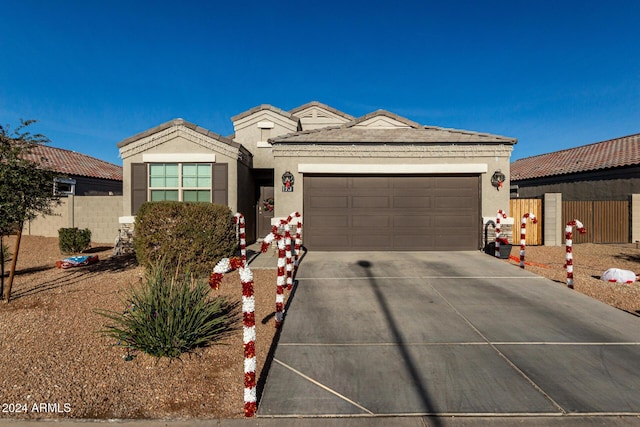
{"x":138,"y":186}
{"x":219,"y":186}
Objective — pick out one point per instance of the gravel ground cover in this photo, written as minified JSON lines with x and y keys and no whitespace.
{"x":55,"y":365}
{"x":51,"y":353}
{"x":589,"y":262}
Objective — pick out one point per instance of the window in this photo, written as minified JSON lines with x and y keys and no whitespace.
{"x":64,"y":186}
{"x":185,"y":182}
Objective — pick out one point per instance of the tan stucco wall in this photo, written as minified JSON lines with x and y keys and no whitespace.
{"x":289,"y":156}
{"x":178,"y":140}
{"x":97,"y":213}
{"x":250,"y":135}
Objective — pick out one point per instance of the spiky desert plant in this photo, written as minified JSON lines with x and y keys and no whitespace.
{"x":166,"y":316}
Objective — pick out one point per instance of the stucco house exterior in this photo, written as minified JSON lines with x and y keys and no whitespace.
{"x":607,"y":170}
{"x":377,"y":182}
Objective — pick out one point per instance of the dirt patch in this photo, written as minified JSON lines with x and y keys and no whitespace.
{"x":589,"y":262}
{"x":55,"y":364}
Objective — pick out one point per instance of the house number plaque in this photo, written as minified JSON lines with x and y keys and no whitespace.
{"x":287,"y":182}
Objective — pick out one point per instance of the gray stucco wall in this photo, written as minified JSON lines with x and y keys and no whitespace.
{"x":614,"y":184}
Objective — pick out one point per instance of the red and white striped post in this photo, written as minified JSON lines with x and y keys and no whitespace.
{"x":569,"y":248}
{"x":502,"y":214}
{"x":523,"y":234}
{"x":288,"y":255}
{"x":242,"y":236}
{"x":248,"y":315}
{"x":249,"y":342}
{"x":286,"y":265}
{"x":280,"y":282}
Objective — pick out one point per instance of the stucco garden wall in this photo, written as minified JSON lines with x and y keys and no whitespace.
{"x":97,"y":213}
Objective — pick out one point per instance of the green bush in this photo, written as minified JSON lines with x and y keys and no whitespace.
{"x":169,"y":315}
{"x":73,"y":240}
{"x":193,"y":236}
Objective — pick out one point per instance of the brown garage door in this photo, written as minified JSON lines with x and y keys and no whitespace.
{"x":398,"y":213}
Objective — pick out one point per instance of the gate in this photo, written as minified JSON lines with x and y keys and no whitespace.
{"x":519,"y":207}
{"x":605,"y":221}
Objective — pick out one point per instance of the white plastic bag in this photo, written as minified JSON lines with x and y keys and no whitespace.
{"x":616,"y":275}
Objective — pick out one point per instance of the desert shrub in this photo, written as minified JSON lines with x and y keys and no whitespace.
{"x":194,"y":236}
{"x":73,"y":240}
{"x":169,"y":315}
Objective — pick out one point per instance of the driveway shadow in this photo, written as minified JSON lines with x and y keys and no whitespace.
{"x":408,"y":360}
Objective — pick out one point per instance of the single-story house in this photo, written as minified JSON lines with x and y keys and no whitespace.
{"x":607,"y":170}
{"x":377,"y":182}
{"x":84,"y":175}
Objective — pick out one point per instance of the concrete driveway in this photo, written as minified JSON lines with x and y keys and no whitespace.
{"x":457,"y":334}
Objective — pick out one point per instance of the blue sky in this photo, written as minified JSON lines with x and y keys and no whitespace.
{"x":554,"y":74}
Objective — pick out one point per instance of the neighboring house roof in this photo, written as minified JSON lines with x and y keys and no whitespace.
{"x":178,"y":122}
{"x":624,"y":151}
{"x":408,"y":132}
{"x":72,"y":163}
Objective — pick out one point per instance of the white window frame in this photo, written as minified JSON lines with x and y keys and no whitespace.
{"x":66,"y":182}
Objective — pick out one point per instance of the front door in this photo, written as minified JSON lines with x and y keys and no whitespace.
{"x":265,"y":208}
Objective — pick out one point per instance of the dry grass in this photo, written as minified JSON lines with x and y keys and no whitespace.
{"x":51,"y":353}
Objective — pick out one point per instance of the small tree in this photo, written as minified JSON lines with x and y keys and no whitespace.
{"x":26,"y":187}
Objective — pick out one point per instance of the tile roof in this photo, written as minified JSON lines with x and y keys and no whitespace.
{"x":384,"y":113}
{"x":261,"y":108}
{"x":323,"y":106}
{"x":624,"y":151}
{"x":72,"y":163}
{"x":177,"y":122}
{"x":351,"y":133}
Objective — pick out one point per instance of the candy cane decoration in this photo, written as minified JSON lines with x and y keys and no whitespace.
{"x":569,"y":248}
{"x":504,"y":215}
{"x":286,"y":265}
{"x":249,"y":342}
{"x":242,"y":236}
{"x":523,"y":232}
{"x":280,"y":282}
{"x":248,"y":315}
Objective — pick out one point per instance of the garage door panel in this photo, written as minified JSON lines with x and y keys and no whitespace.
{"x":457,"y":221}
{"x":411,"y":182}
{"x":327,"y":221}
{"x":370,"y":182}
{"x":417,"y":201}
{"x":330,"y":202}
{"x":328,"y":182}
{"x":370,"y":221}
{"x":412,"y":221}
{"x":370,"y":202}
{"x":451,"y":202}
{"x":392,"y":212}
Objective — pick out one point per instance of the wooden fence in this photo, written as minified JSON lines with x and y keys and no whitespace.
{"x":517,"y":208}
{"x":605,"y":221}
